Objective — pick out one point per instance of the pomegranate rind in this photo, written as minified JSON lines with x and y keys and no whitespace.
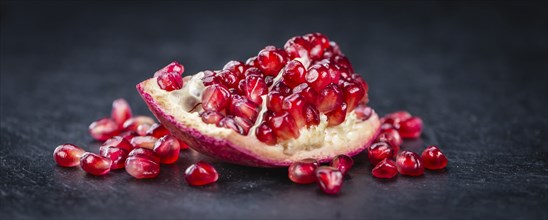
{"x":229,"y":146}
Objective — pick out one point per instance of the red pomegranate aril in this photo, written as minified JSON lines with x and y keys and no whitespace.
{"x":343,"y":62}
{"x":255,"y":87}
{"x":170,"y":81}
{"x":304,"y":171}
{"x":116,"y":154}
{"x":307,"y":93}
{"x":128,"y":135}
{"x":157,"y":130}
{"x":433,"y":158}
{"x":411,"y":128}
{"x":282,"y":88}
{"x":252,"y":62}
{"x":318,"y":44}
{"x":330,"y":179}
{"x":120,"y":142}
{"x":142,"y":129}
{"x":312,"y":116}
{"x":329,"y":98}
{"x":337,"y":116}
{"x":173,"y":67}
{"x":67,"y":155}
{"x":211,"y":117}
{"x":144,"y":141}
{"x":244,"y":108}
{"x":295,"y":104}
{"x":269,"y":80}
{"x":390,"y":136}
{"x":352,"y":93}
{"x":95,"y":164}
{"x":133,"y":124}
{"x":379,"y":151}
{"x":200,"y":174}
{"x":409,"y":163}
{"x":142,"y":163}
{"x":334,"y":47}
{"x":144,"y":153}
{"x":167,"y":148}
{"x":343,"y":163}
{"x":318,"y":77}
{"x":294,"y":73}
{"x":297,"y":47}
{"x":244,"y":123}
{"x":103,"y":129}
{"x":236,"y":67}
{"x":265,"y":134}
{"x":209,"y":78}
{"x":228,"y":78}
{"x":395,"y":117}
{"x":363,"y":112}
{"x":215,"y":98}
{"x":385,"y":169}
{"x":271,"y":60}
{"x":228,"y":122}
{"x":275,"y":101}
{"x":284,"y":126}
{"x":121,"y":111}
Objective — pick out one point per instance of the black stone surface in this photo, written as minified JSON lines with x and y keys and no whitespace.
{"x":476,"y":72}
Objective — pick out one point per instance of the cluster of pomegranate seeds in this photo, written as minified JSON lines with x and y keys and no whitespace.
{"x":329,"y":178}
{"x":308,"y":77}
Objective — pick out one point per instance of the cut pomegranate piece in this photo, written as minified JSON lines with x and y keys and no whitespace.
{"x":411,"y":128}
{"x":157,"y":130}
{"x":167,"y":148}
{"x":117,"y":155}
{"x":95,"y":164}
{"x":133,"y":124}
{"x":295,"y":105}
{"x":318,"y":77}
{"x":297,"y":47}
{"x":215,"y":98}
{"x":304,"y":171}
{"x":318,"y":44}
{"x":121,"y":111}
{"x":103,"y":129}
{"x":265,"y":134}
{"x":379,"y":151}
{"x":330,"y":98}
{"x":330,"y":179}
{"x":409,"y":163}
{"x":255,"y":87}
{"x":67,"y":155}
{"x":120,"y":142}
{"x":284,"y":126}
{"x":343,"y":163}
{"x":144,"y":141}
{"x":433,"y":158}
{"x":271,"y":60}
{"x":200,"y":174}
{"x":385,"y":169}
{"x":294,"y":73}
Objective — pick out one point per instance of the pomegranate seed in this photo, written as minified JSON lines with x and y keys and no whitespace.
{"x":228,"y":78}
{"x":330,"y":98}
{"x":170,"y":81}
{"x":395,"y":118}
{"x":330,"y":179}
{"x":215,"y":98}
{"x":241,"y":87}
{"x":244,"y":108}
{"x":337,"y":116}
{"x":271,"y":60}
{"x":411,"y":128}
{"x":228,"y":122}
{"x":142,"y":163}
{"x":117,"y":155}
{"x":363,"y":112}
{"x":294,"y":73}
{"x":284,"y":126}
{"x":343,"y":163}
{"x":120,"y":142}
{"x":157,"y":130}
{"x":236,"y":67}
{"x":132,"y":124}
{"x":433,"y":158}
{"x":167,"y":148}
{"x":255,"y":88}
{"x":318,"y":77}
{"x":95,"y":164}
{"x":392,"y":137}
{"x":144,"y":141}
{"x":306,"y":92}
{"x":379,"y":151}
{"x":254,"y":71}
{"x":121,"y":111}
{"x":211,"y":117}
{"x":142,"y":129}
{"x":265,"y":134}
{"x":251,"y":62}
{"x":385,"y":169}
{"x":103,"y":129}
{"x":144,"y":153}
{"x":297,"y":47}
{"x":409,"y":163}
{"x":318,"y":44}
{"x":173,"y":67}
{"x":304,"y":171}
{"x":281,"y":88}
{"x":269,"y":80}
{"x":244,"y":123}
{"x":295,"y":104}
{"x":209,"y":78}
{"x":335,"y":48}
{"x":343,"y":62}
{"x":128,"y":135}
{"x":275,"y":101}
{"x":312,"y":116}
{"x":352,"y":93}
{"x":200,"y":174}
{"x":67,"y":155}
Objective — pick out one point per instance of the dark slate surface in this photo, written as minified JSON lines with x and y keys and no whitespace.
{"x":475,"y":72}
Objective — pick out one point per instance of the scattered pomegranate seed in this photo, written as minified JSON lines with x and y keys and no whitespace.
{"x":142,"y":163}
{"x":67,"y":155}
{"x":433,"y":158}
{"x":396,"y":116}
{"x":121,"y":111}
{"x":304,"y":171}
{"x":144,"y":141}
{"x":103,"y":129}
{"x":215,"y":98}
{"x":95,"y":164}
{"x":200,"y":174}
{"x":120,"y":142}
{"x":318,"y":77}
{"x":392,"y":137}
{"x":330,"y":179}
{"x":297,"y":47}
{"x":284,"y":126}
{"x":385,"y":169}
{"x":157,"y":130}
{"x":265,"y":134}
{"x":295,"y":105}
{"x":411,"y":128}
{"x":379,"y":151}
{"x":145,"y":153}
{"x":271,"y":60}
{"x":318,"y":44}
{"x":330,"y":98}
{"x":117,"y":155}
{"x":128,"y":135}
{"x":132,"y":124}
{"x":343,"y":163}
{"x":211,"y":117}
{"x":173,"y":67}
{"x":294,"y":73}
{"x":209,"y":78}
{"x":170,"y":81}
{"x":167,"y":148}
{"x":409,"y":163}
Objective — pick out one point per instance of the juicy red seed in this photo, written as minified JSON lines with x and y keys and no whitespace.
{"x":95,"y":164}
{"x":132,"y":124}
{"x":297,"y":47}
{"x":244,"y":123}
{"x":294,"y":73}
{"x":241,"y":87}
{"x":334,"y":47}
{"x":67,"y":155}
{"x":304,"y":171}
{"x":253,"y":71}
{"x":142,"y":129}
{"x":275,"y":101}
{"x":236,"y":67}
{"x":121,"y":111}
{"x":200,"y":174}
{"x":173,"y":67}
{"x":271,"y":60}
{"x":228,"y":78}
{"x":318,"y":77}
{"x":120,"y":142}
{"x":211,"y":117}
{"x":337,"y":116}
{"x":385,"y":169}
{"x":255,"y":87}
{"x":307,"y":93}
{"x":170,"y":81}
{"x":295,"y":105}
{"x":128,"y":135}
{"x":144,"y":141}
{"x":379,"y":151}
{"x":399,"y":115}
{"x":411,"y":128}
{"x":343,"y":163}
{"x":433,"y":158}
{"x":215,"y":98}
{"x":330,"y":179}
{"x":251,"y":62}
{"x":103,"y":129}
{"x":330,"y":98}
{"x":343,"y":62}
{"x":228,"y":122}
{"x":167,"y":148}
{"x":209,"y":78}
{"x":409,"y":163}
{"x":392,"y":137}
{"x":142,"y":168}
{"x":282,"y":88}
{"x":244,"y":108}
{"x":157,"y":130}
{"x":265,"y":134}
{"x":144,"y":153}
{"x":363,"y":112}
{"x":117,"y":155}
{"x":284,"y":126}
{"x":312,"y":116}
{"x":318,"y":44}
{"x":334,"y":72}
{"x":352,"y":93}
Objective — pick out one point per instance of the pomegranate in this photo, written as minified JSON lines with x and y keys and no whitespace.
{"x":200,"y":174}
{"x":116,"y":154}
{"x":103,"y":129}
{"x":142,"y":163}
{"x":304,"y":171}
{"x":409,"y":163}
{"x":167,"y":148}
{"x":379,"y":151}
{"x":95,"y":164}
{"x":342,"y":163}
{"x":433,"y":158}
{"x":280,"y":107}
{"x":330,"y":179}
{"x":67,"y":155}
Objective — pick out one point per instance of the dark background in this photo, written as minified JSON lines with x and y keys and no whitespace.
{"x":476,"y":72}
